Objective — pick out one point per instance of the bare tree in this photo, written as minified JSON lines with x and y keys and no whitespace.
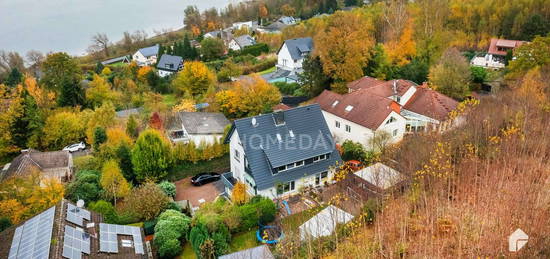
{"x":100,"y":42}
{"x":11,"y":60}
{"x":127,"y":42}
{"x":380,"y":140}
{"x":34,"y":60}
{"x":139,"y":38}
{"x":395,"y":17}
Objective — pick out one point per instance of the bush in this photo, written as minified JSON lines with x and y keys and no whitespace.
{"x":106,"y":209}
{"x":85,"y":186}
{"x":172,"y":226}
{"x":288,"y":88}
{"x":254,"y":50}
{"x":4,"y":223}
{"x":197,"y":236}
{"x":149,"y":227}
{"x":165,"y":236}
{"x":267,"y":64}
{"x":169,"y":249}
{"x":353,"y":151}
{"x":147,"y":201}
{"x":168,"y":188}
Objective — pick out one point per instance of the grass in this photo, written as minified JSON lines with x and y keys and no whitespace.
{"x":219,"y":165}
{"x":267,"y":71}
{"x":294,"y":221}
{"x":169,"y":99}
{"x":187,"y":252}
{"x":243,"y":240}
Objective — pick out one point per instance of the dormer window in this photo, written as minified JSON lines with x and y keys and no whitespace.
{"x":349,"y":108}
{"x":335,"y":103}
{"x":291,"y":133}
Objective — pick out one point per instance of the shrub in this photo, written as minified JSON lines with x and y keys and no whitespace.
{"x":172,"y":226}
{"x":168,"y":188}
{"x":221,"y":244}
{"x":288,"y":88}
{"x":149,"y":226}
{"x":197,"y":236}
{"x":267,"y":210}
{"x":169,"y":249}
{"x":106,"y":209}
{"x":4,"y":223}
{"x":255,"y":50}
{"x":353,"y":151}
{"x":85,"y":187}
{"x":164,"y":236}
{"x":147,"y":201}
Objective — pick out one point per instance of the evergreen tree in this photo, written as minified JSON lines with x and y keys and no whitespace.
{"x":151,"y":156}
{"x":28,"y":123}
{"x":100,"y":136}
{"x":99,"y":68}
{"x":124,"y":154}
{"x":187,"y":49}
{"x":313,"y":79}
{"x":536,"y":25}
{"x":71,"y":94}
{"x":14,"y":78}
{"x":132,"y":126}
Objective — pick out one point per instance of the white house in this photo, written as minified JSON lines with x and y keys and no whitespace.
{"x":360,"y":115}
{"x":240,"y":42}
{"x":498,"y":49}
{"x":146,"y":56}
{"x":277,"y":154}
{"x":169,"y":64}
{"x":288,"y":20}
{"x":292,"y":53}
{"x":199,"y":127}
{"x":251,"y":25}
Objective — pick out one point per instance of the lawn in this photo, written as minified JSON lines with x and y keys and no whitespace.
{"x":169,"y":99}
{"x":267,"y":71}
{"x":243,"y":240}
{"x":218,"y":165}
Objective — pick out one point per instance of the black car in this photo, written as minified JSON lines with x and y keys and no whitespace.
{"x":204,"y":178}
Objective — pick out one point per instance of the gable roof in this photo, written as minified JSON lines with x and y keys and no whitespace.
{"x":495,"y":43}
{"x":31,"y":160}
{"x":224,"y":35}
{"x":324,"y":223}
{"x":169,"y":60}
{"x":431,"y":103}
{"x":200,"y":122}
{"x":124,"y":59}
{"x":276,"y":26}
{"x":288,"y":20}
{"x":245,"y":40}
{"x":368,"y":110}
{"x":259,"y":252}
{"x":310,"y":137}
{"x":298,"y":47}
{"x":380,"y":87}
{"x":60,"y":231}
{"x":380,"y":175}
{"x":149,"y":51}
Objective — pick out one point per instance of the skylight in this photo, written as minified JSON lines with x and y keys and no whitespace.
{"x":291,"y":133}
{"x":335,"y":103}
{"x":349,"y":108}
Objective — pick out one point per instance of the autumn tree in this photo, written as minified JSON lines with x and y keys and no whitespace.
{"x":151,"y":156}
{"x":100,"y":43}
{"x":100,"y":91}
{"x":103,"y":116}
{"x":132,"y":127}
{"x":62,"y":74}
{"x":239,"y":194}
{"x":192,"y":18}
{"x":63,"y":128}
{"x":212,"y":49}
{"x":113,"y":182}
{"x":194,"y":79}
{"x":288,"y":10}
{"x":400,"y":51}
{"x":451,"y":76}
{"x":155,"y":121}
{"x":530,"y":55}
{"x":147,"y":201}
{"x":185,"y":105}
{"x":248,"y":97}
{"x":344,"y":47}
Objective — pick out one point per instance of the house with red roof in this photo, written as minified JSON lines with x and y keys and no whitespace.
{"x":397,"y":106}
{"x":498,"y":49}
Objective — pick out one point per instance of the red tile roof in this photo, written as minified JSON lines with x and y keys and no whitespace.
{"x":381,"y":88}
{"x":369,"y":110}
{"x":281,"y":107}
{"x":430,"y":103}
{"x":509,"y":44}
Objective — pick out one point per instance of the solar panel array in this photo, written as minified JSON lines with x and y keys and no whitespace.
{"x":77,"y":215}
{"x":75,"y":242}
{"x":108,"y":237}
{"x":33,"y":238}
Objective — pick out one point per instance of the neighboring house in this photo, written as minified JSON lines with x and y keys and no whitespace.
{"x":51,"y":165}
{"x":277,"y":154}
{"x":496,"y":54}
{"x":123,"y":59}
{"x":275,"y":27}
{"x":169,"y":64}
{"x":360,"y":115}
{"x":424,"y":108}
{"x":324,"y":223}
{"x":199,"y":127}
{"x":68,"y":231}
{"x":240,"y":42}
{"x":290,"y":57}
{"x":146,"y":56}
{"x":224,"y":35}
{"x":125,"y":114}
{"x":287,"y":20}
{"x":251,"y":25}
{"x":259,"y":252}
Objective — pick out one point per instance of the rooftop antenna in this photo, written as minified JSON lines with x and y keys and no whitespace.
{"x":80,"y":203}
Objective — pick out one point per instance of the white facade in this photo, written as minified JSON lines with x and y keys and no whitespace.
{"x":285,"y":61}
{"x":342,"y":129}
{"x":141,"y":60}
{"x":234,"y":46}
{"x":487,"y":61}
{"x":237,"y":161}
{"x":240,"y":25}
{"x":164,"y":73}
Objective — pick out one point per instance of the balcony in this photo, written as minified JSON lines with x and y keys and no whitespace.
{"x":228,"y":180}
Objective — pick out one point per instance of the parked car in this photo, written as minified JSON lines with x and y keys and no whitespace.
{"x":204,"y":178}
{"x":354,"y":165}
{"x":75,"y":147}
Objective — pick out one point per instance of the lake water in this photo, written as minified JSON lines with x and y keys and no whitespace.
{"x":68,"y":25}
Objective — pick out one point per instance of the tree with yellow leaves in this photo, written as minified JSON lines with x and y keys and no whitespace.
{"x":63,"y":128}
{"x":143,"y":72}
{"x":100,"y":91}
{"x":194,"y":79}
{"x":185,"y":105}
{"x":239,"y":194}
{"x":248,"y":97}
{"x":344,"y":47}
{"x":45,"y":99}
{"x":113,"y":182}
{"x":103,"y":116}
{"x":403,"y":50}
{"x":531,"y":90}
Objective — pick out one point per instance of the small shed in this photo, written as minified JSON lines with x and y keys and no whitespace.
{"x":324,"y":223}
{"x":380,"y":175}
{"x":259,"y":252}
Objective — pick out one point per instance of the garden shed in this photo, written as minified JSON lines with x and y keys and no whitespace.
{"x":324,"y":223}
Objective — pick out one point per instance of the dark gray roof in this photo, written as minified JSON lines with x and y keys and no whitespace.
{"x":299,"y":47}
{"x":259,"y":252}
{"x":123,"y":59}
{"x":126,"y":113}
{"x":264,"y":152}
{"x":275,"y":26}
{"x":30,"y":160}
{"x":245,"y":40}
{"x":150,"y":51}
{"x":200,"y":122}
{"x":169,"y":62}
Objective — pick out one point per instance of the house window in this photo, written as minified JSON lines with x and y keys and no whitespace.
{"x":348,"y":128}
{"x":320,"y":177}
{"x":299,"y":163}
{"x":337,"y":124}
{"x":319,"y":158}
{"x":280,"y":169}
{"x":177,"y":134}
{"x":290,"y":166}
{"x":391,"y":120}
{"x":237,"y":155}
{"x":395,"y":131}
{"x":285,"y":187}
{"x":335,"y":103}
{"x":349,"y":108}
{"x":284,"y":62}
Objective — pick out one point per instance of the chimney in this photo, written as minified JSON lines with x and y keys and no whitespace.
{"x":279,"y":118}
{"x":394,"y":88}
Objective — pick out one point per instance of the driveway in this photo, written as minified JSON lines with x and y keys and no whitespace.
{"x":197,"y":195}
{"x":84,"y":152}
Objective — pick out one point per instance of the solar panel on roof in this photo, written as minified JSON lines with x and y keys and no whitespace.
{"x":75,"y":242}
{"x":33,"y":238}
{"x":108,"y":241}
{"x":77,"y":215}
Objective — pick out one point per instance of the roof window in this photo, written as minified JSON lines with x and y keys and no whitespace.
{"x":335,"y":103}
{"x":349,"y":108}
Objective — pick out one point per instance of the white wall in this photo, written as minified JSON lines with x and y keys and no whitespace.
{"x":360,"y":133}
{"x":142,"y":60}
{"x":207,"y":138}
{"x":163,"y":73}
{"x":234,"y":46}
{"x":237,"y":166}
{"x":284,"y":54}
{"x":298,"y":184}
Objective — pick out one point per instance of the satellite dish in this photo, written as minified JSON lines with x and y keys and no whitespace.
{"x":80,"y":203}
{"x":253,"y":121}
